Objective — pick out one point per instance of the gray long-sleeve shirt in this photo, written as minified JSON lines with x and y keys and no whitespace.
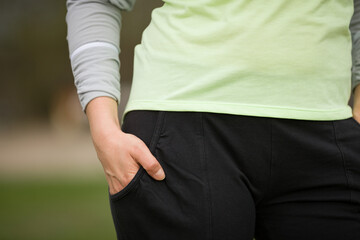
{"x":94,"y":36}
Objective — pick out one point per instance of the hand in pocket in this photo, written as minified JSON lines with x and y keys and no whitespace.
{"x":121,"y":155}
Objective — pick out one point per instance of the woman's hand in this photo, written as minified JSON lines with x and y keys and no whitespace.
{"x":356,"y":107}
{"x":120,"y":154}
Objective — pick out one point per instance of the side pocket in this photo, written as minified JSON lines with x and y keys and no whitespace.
{"x":128,"y":187}
{"x":348,"y":140}
{"x":147,"y":126}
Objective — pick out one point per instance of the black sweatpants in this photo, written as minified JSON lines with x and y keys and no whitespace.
{"x":240,"y":177}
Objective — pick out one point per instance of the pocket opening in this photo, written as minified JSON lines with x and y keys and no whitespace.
{"x":129,"y":186}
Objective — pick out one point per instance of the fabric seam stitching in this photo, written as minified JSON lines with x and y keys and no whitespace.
{"x":343,"y":160}
{"x":207,"y":177}
{"x":237,"y":104}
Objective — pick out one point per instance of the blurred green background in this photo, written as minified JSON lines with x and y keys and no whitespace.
{"x":51,"y":183}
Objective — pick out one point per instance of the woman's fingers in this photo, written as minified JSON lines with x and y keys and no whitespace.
{"x":144,"y":157}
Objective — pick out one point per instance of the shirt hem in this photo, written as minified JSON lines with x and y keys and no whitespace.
{"x":241,"y":109}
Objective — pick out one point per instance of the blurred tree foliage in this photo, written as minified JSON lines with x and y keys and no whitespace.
{"x":34,"y":61}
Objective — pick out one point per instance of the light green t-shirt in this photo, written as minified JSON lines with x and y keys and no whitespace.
{"x":278,"y":58}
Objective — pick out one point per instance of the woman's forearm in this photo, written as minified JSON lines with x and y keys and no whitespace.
{"x":102,"y":113}
{"x":356,"y":107}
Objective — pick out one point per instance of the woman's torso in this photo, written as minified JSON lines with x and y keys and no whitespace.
{"x":287,"y":59}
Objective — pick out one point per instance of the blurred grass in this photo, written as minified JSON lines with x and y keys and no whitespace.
{"x":55,"y":209}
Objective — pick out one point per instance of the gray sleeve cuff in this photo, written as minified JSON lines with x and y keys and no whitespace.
{"x":355,"y":36}
{"x":96,"y":73}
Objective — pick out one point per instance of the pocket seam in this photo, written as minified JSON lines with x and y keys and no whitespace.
{"x":356,"y":122}
{"x":344,"y":162}
{"x":152,"y":145}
